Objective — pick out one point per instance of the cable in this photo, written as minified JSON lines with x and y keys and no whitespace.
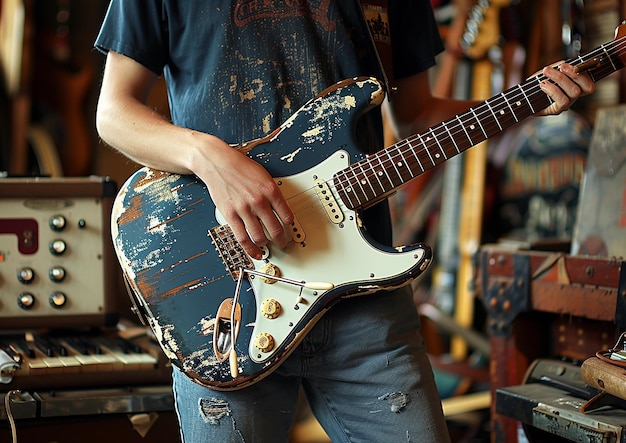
{"x":7,"y":407}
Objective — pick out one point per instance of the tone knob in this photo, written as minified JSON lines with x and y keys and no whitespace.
{"x":26,"y":275}
{"x":57,"y":299}
{"x":57,"y":274}
{"x":264,"y":342}
{"x":270,"y":270}
{"x":26,"y":300}
{"x":270,"y":308}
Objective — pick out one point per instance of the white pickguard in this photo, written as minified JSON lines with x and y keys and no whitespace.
{"x":332,"y":253}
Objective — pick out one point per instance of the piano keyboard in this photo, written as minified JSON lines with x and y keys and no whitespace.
{"x":76,"y":359}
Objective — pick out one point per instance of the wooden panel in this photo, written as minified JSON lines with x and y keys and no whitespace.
{"x":557,"y":305}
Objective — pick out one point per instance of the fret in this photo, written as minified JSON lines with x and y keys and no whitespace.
{"x":415,"y":154}
{"x":384,"y":173}
{"x":345,"y":184}
{"x":377,"y":173}
{"x":488,"y":122}
{"x":508,"y":104}
{"x":438,"y":144}
{"x":381,"y":173}
{"x":503,"y":111}
{"x":400,"y":180}
{"x":406,"y":166}
{"x":527,"y":100}
{"x":428,"y":150}
{"x":355,"y":186}
{"x":473,"y":128}
{"x":456,"y":147}
{"x":363,"y":181}
{"x":462,"y":125}
{"x":423,"y":155}
{"x":603,"y":49}
{"x":478,"y":123}
{"x":495,"y":117}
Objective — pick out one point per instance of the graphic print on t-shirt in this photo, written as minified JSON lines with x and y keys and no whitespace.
{"x":277,"y":54}
{"x":249,"y":10}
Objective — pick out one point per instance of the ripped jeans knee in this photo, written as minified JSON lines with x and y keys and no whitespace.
{"x":214,"y":409}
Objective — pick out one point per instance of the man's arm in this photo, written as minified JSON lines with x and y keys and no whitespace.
{"x":414,"y":109}
{"x":241,"y":189}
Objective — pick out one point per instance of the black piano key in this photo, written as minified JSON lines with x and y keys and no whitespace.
{"x":76,"y":344}
{"x":56,"y":345}
{"x":26,"y":348}
{"x":43,"y":345}
{"x":128,"y":346}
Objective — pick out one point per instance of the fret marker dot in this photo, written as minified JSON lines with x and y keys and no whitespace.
{"x":518,"y":103}
{"x":472,"y":127}
{"x":502,"y":112}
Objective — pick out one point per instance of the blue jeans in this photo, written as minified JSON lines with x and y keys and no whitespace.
{"x":365,"y":373}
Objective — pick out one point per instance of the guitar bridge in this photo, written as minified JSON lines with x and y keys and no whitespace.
{"x":230,"y":250}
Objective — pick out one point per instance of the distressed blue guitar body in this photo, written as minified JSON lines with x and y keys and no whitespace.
{"x":184,"y":266}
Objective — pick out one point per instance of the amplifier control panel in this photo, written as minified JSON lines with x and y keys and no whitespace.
{"x":56,"y":263}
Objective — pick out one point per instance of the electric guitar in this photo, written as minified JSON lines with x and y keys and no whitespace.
{"x":227,"y":320}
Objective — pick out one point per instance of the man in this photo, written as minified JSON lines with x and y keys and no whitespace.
{"x":235,"y":70}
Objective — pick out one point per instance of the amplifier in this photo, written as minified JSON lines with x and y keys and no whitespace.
{"x":57,"y":267}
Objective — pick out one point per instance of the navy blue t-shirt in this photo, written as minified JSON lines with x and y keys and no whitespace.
{"x":237,"y":69}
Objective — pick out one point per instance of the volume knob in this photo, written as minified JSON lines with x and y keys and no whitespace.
{"x":57,"y":299}
{"x":270,"y":308}
{"x":26,"y":275}
{"x":57,"y":223}
{"x":264,"y":342}
{"x":57,"y":274}
{"x":26,"y":300}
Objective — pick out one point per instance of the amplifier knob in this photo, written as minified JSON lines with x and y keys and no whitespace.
{"x":57,"y":223}
{"x":57,"y":274}
{"x":26,"y":300}
{"x":26,"y":275}
{"x":58,"y":247}
{"x":270,"y":308}
{"x":57,"y":299}
{"x":264,"y":342}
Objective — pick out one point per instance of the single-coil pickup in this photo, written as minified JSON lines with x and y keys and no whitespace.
{"x":328,"y":201}
{"x":297,"y":233}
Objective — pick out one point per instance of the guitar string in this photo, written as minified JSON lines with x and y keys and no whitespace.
{"x":512,"y":95}
{"x":305,"y":201}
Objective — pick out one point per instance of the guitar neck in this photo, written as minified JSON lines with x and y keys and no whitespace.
{"x":368,"y":181}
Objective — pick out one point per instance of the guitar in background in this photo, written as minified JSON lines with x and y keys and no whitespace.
{"x":451,"y":81}
{"x":61,"y":84}
{"x":481,"y":44}
{"x":46,"y":89}
{"x":14,"y":43}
